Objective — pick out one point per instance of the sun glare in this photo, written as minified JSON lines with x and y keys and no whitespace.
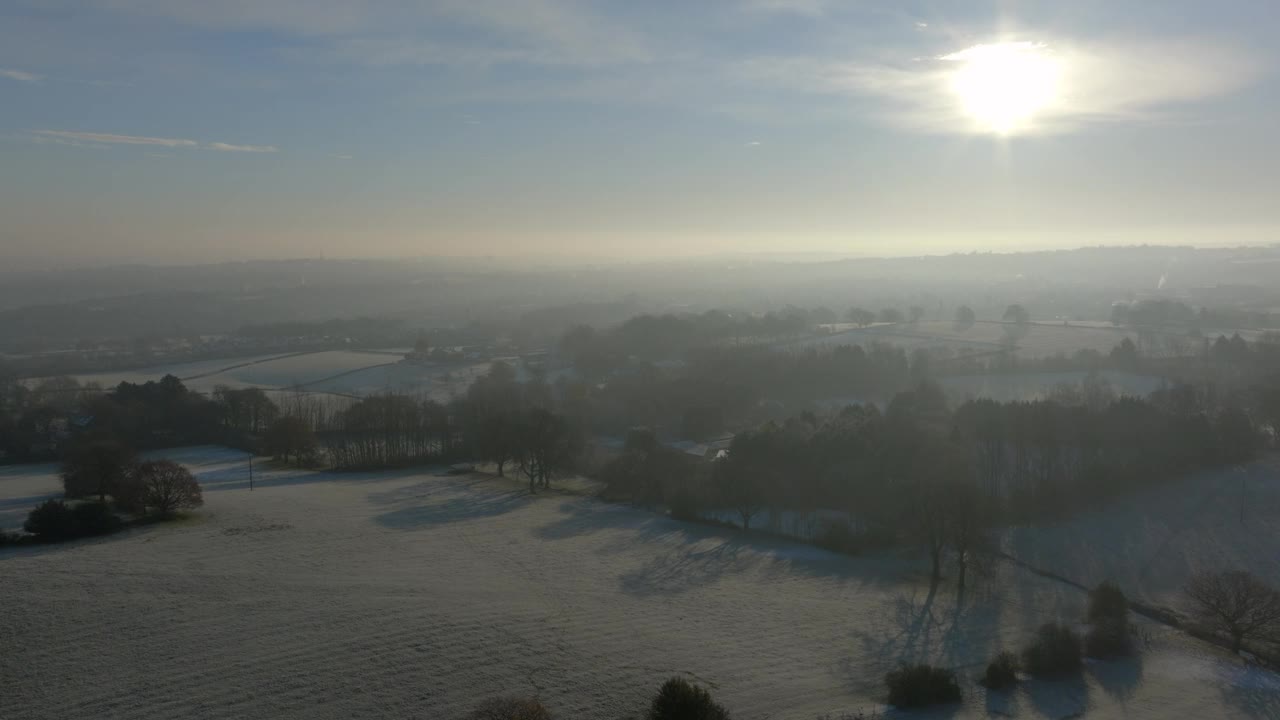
{"x":1003,"y":87}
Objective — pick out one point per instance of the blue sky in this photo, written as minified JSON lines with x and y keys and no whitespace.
{"x":190,"y":130}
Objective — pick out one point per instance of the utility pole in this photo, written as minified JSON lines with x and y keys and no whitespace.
{"x":250,"y":472}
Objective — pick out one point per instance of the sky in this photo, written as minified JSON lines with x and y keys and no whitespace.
{"x":211,"y":130}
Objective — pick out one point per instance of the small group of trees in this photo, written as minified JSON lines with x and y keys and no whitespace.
{"x":105,"y":469}
{"x":507,"y":422}
{"x":102,"y":479}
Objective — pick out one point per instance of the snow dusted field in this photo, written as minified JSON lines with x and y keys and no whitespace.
{"x":413,"y":595}
{"x":439,"y":383}
{"x":345,"y":372}
{"x":264,"y":371}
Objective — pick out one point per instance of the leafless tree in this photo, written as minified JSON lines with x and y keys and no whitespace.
{"x":164,"y":487}
{"x":1236,"y":603}
{"x":969,"y":517}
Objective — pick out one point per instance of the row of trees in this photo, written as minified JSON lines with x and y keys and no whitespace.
{"x":937,"y":477}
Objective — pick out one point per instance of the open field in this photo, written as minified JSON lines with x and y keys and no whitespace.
{"x":411,"y":595}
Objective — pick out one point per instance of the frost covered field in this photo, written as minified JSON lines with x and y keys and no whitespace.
{"x":411,"y":595}
{"x":345,"y":372}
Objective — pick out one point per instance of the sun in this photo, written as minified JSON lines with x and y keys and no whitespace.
{"x":1003,"y":87}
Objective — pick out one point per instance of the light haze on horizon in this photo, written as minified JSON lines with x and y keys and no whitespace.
{"x":187,"y":131}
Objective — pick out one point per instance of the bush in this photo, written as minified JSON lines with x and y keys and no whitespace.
{"x":51,"y":520}
{"x":513,"y":708}
{"x":1109,"y":638}
{"x":11,"y":538}
{"x":1002,"y":672}
{"x":93,"y":518}
{"x":919,"y":685}
{"x":1055,"y":650}
{"x":1107,"y":602}
{"x":678,"y":699}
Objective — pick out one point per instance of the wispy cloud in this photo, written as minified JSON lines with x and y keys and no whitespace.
{"x":92,"y":139}
{"x":1134,"y":81}
{"x":227,"y":147}
{"x":545,"y":32}
{"x":796,"y":7}
{"x":20,"y":75}
{"x":116,"y":139}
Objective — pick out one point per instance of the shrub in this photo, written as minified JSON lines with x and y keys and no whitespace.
{"x":12,"y":538}
{"x":1109,"y":638}
{"x":1107,"y":602}
{"x":51,"y":520}
{"x":93,"y":518}
{"x":1055,"y":650}
{"x":1002,"y":672}
{"x":678,"y":699}
{"x":54,"y":520}
{"x":512,"y":708}
{"x":919,"y":685}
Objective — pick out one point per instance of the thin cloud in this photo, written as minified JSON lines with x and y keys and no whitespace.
{"x":227,"y":147}
{"x":92,"y":139}
{"x":811,"y":8}
{"x":20,"y":76}
{"x":115,"y":139}
{"x":1137,"y":81}
{"x":538,"y":32}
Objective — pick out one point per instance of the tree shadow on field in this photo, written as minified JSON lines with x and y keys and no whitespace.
{"x":1120,"y":677}
{"x":959,"y":630}
{"x":686,"y":569}
{"x":685,"y":556}
{"x":420,"y":509}
{"x":1002,"y":703}
{"x":1059,"y":697}
{"x":1252,"y":691}
{"x":586,"y":517}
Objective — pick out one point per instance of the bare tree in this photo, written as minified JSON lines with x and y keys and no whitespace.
{"x":966,"y":531}
{"x":547,"y":446}
{"x":1236,"y":603}
{"x":164,"y":487}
